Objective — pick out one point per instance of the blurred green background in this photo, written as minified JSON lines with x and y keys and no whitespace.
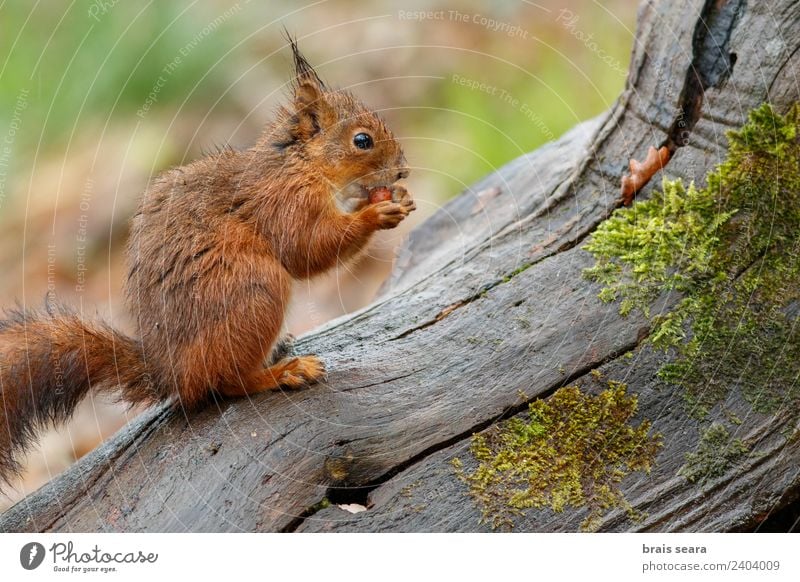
{"x":98,"y":96}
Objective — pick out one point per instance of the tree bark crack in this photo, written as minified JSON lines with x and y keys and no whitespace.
{"x":712,"y":64}
{"x":360,"y":493}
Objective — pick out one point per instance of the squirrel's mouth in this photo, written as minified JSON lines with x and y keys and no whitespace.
{"x":361,"y":189}
{"x":365,"y":190}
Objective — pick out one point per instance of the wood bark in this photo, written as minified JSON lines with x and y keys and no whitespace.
{"x":486,"y":299}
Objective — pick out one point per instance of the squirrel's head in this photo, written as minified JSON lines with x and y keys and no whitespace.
{"x":340,"y":137}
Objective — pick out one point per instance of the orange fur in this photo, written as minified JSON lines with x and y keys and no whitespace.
{"x":213,"y":251}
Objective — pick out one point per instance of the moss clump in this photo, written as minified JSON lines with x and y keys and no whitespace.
{"x":323,"y":503}
{"x":715,"y":453}
{"x":573,"y":450}
{"x":731,"y":250}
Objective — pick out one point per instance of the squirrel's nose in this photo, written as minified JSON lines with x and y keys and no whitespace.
{"x":402,"y":174}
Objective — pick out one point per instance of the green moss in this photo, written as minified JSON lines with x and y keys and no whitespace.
{"x":573,"y":450}
{"x":408,"y":490}
{"x":715,"y":453}
{"x":517,"y":271}
{"x":730,"y":250}
{"x":320,"y":505}
{"x":523,"y":322}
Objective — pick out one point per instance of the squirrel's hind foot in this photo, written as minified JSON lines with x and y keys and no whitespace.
{"x":293,"y":372}
{"x":297,"y":372}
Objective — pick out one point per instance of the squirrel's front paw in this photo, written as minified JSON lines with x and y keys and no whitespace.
{"x":389,"y":214}
{"x":402,"y":197}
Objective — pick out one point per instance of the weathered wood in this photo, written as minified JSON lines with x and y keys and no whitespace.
{"x":487,"y":298}
{"x":427,"y":497}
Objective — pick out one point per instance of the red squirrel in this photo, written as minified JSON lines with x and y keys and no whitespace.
{"x":213,"y":250}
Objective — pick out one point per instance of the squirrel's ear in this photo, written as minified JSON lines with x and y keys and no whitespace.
{"x":312,"y":109}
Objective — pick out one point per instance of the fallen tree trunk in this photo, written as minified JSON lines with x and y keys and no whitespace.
{"x":486,"y":300}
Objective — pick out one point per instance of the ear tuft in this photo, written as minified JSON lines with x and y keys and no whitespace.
{"x":313,"y":112}
{"x":304,"y":72}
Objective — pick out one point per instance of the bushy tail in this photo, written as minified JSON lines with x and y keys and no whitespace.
{"x":48,"y":362}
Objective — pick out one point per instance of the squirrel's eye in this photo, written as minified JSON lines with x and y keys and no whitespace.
{"x":362,"y":141}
